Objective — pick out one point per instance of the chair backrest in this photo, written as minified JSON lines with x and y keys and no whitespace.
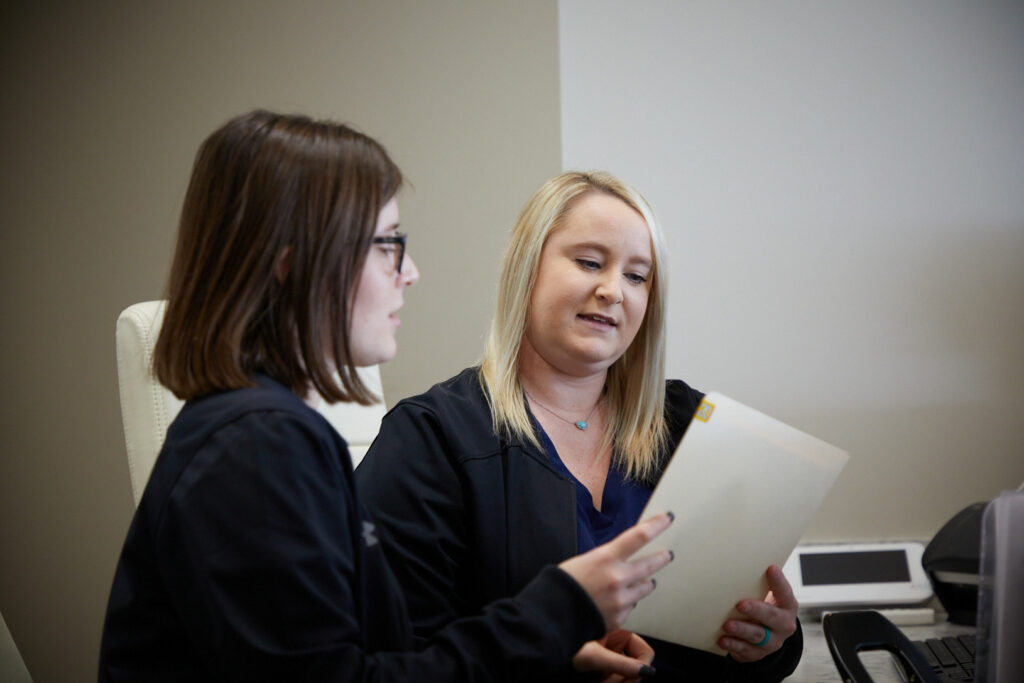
{"x":148,"y":408}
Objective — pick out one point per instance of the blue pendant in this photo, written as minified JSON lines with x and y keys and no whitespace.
{"x":582,"y":424}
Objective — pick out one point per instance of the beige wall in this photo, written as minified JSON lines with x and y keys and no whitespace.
{"x":103,"y":110}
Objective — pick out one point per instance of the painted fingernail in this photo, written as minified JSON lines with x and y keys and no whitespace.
{"x":671,"y":517}
{"x":671,"y":556}
{"x":648,"y":671}
{"x":654,"y":584}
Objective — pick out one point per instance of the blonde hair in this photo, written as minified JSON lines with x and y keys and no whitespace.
{"x":635,"y":388}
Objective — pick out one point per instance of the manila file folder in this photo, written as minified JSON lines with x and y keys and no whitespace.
{"x":743,"y":488}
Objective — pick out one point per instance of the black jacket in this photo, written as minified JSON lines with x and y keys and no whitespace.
{"x":250,"y":559}
{"x":468,"y":517}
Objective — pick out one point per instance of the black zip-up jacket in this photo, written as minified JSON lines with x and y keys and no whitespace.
{"x":250,"y":559}
{"x":470,"y":517}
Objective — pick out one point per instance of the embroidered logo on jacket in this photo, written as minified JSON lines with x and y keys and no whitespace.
{"x":370,"y":534}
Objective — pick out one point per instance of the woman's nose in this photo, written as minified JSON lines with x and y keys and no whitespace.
{"x":610,"y":289}
{"x":410,"y":274}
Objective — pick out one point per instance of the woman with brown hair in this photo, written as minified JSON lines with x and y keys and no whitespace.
{"x":250,"y":556}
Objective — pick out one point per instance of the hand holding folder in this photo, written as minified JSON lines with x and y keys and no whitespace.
{"x":744,"y":487}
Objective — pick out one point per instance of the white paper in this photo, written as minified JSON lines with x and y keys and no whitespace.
{"x":743,"y":488}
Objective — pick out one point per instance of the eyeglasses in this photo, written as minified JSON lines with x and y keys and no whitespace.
{"x":399,"y":251}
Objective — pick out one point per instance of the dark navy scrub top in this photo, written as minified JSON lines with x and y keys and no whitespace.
{"x":621,"y":503}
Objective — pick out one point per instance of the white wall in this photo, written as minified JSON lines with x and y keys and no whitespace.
{"x":842,"y":185}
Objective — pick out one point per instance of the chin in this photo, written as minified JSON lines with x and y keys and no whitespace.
{"x":379,"y":353}
{"x":370,"y":361}
{"x":597,"y":356}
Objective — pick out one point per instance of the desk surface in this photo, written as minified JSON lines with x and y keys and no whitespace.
{"x":816,"y":665}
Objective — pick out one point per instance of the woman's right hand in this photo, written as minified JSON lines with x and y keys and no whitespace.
{"x":620,"y":657}
{"x":614,"y":582}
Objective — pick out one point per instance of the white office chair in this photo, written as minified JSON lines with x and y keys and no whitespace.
{"x":148,"y":408}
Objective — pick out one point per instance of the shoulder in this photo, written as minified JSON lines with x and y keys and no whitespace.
{"x":456,"y":407}
{"x":246,"y":436}
{"x":681,"y":402}
{"x":463,"y":391}
{"x":267,"y":407}
{"x":681,"y":398}
{"x":432,"y":437}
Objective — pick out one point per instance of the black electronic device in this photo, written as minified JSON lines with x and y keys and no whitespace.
{"x":951,"y":562}
{"x":850,"y":633}
{"x":974,"y":562}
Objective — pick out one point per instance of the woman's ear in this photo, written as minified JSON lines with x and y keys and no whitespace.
{"x":283,"y":265}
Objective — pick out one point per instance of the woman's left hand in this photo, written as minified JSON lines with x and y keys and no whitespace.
{"x":621,"y":656}
{"x":767,"y":623}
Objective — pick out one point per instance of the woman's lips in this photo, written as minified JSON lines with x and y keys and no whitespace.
{"x":597,"y":318}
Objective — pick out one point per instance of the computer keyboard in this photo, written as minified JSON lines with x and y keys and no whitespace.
{"x":952,"y":657}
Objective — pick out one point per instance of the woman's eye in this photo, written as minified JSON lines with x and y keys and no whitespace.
{"x":636,"y":278}
{"x":587,"y":264}
{"x":387,"y":248}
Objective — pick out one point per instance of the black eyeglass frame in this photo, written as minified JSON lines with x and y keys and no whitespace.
{"x":399,"y":239}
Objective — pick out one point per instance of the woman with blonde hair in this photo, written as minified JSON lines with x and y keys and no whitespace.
{"x":554,"y":443}
{"x":250,"y":557}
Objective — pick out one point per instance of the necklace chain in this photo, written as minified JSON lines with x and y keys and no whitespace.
{"x":579,"y":424}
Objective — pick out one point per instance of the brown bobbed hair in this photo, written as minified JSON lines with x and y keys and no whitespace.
{"x":264,"y":184}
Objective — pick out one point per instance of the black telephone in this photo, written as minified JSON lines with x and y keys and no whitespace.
{"x":951,"y":562}
{"x":849,"y":633}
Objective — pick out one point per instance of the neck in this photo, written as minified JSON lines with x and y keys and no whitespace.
{"x":313,"y":399}
{"x":574,"y":394}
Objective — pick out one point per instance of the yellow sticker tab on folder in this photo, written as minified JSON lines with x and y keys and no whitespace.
{"x":704,"y":410}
